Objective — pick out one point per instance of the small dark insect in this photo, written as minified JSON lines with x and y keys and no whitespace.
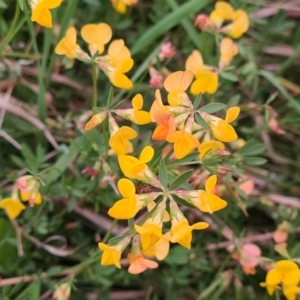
{"x":145,"y":189}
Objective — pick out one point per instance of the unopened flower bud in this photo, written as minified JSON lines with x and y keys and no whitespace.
{"x":62,"y":291}
{"x":156,"y":78}
{"x":280,"y":236}
{"x":167,"y":51}
{"x":90,"y":171}
{"x":203,"y":22}
{"x":95,"y":120}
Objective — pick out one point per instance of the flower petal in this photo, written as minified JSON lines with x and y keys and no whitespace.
{"x":194,"y":62}
{"x":179,"y":81}
{"x":147,"y":154}
{"x":137,"y":102}
{"x":232,"y":114}
{"x":126,"y":188}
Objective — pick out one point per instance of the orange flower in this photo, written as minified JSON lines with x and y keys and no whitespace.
{"x":176,"y":84}
{"x":166,"y":125}
{"x":157,"y":105}
{"x":139,"y":264}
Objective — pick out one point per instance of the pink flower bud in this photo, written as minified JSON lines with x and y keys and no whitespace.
{"x":167,"y":51}
{"x":202,"y":22}
{"x":280,"y":236}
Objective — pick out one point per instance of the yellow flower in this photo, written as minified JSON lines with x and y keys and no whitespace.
{"x":136,"y":168}
{"x":136,"y":114}
{"x":176,"y":84}
{"x":285,"y":272}
{"x":41,"y":13}
{"x":119,"y":141}
{"x":228,"y":49}
{"x":160,"y":249}
{"x":12,"y":207}
{"x":181,"y":231}
{"x":111,"y":254}
{"x":34,"y":198}
{"x":68,"y":46}
{"x":96,"y":35}
{"x":117,"y":62}
{"x":208,"y":146}
{"x":225,"y":12}
{"x":151,"y":231}
{"x":221,"y":129}
{"x":157,"y":105}
{"x":129,"y":205}
{"x":184,"y":143}
{"x":291,"y":292}
{"x":139,"y":116}
{"x":205,"y":200}
{"x":239,"y":25}
{"x":121,"y":5}
{"x":95,"y":120}
{"x":206,"y":80}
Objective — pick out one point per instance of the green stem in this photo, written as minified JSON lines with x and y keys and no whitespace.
{"x":12,"y":30}
{"x":108,"y":234}
{"x":95,"y":92}
{"x":19,"y":55}
{"x":131,"y":224}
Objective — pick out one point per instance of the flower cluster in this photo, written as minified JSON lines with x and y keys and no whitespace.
{"x":284,"y":275}
{"x":26,"y":189}
{"x":114,"y":64}
{"x":176,"y":124}
{"x":224,"y":12}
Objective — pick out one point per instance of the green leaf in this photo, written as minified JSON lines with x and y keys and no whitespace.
{"x":229,"y":76}
{"x":110,"y":98}
{"x":97,"y":109}
{"x":252,"y":148}
{"x":8,"y":249}
{"x":168,"y":22}
{"x":182,"y":202}
{"x":255,"y":160}
{"x":200,"y":121}
{"x":186,"y":24}
{"x":178,"y":256}
{"x":295,"y":252}
{"x":190,"y":157}
{"x":182,"y":178}
{"x":292,"y":102}
{"x":163,"y":174}
{"x":197,"y":101}
{"x":213,"y":107}
{"x":3,"y":4}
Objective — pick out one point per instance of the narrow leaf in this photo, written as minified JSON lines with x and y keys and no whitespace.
{"x":163,"y":175}
{"x":213,"y":107}
{"x":182,"y":178}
